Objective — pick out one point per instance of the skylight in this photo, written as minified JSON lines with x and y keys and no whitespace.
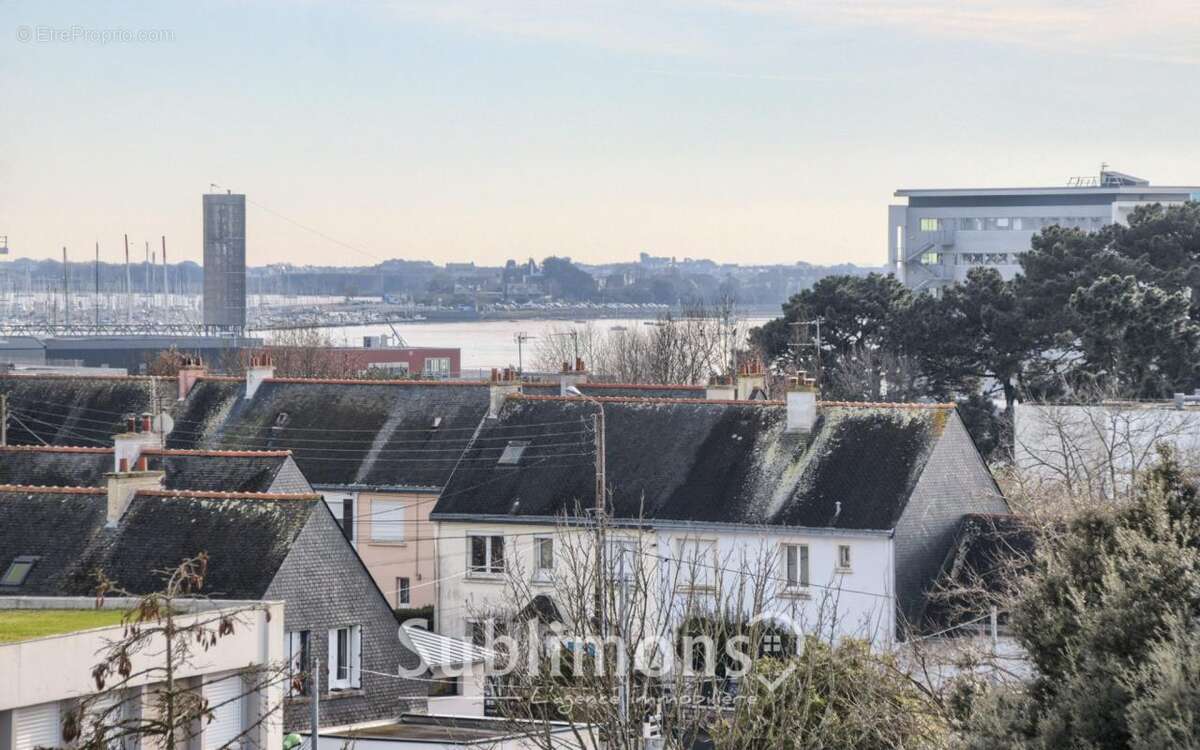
{"x":18,"y":571}
{"x":512,"y":452}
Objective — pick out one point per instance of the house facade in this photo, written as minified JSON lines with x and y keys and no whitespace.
{"x":843,"y":512}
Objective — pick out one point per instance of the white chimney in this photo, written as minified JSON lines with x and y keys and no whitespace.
{"x":571,"y":376}
{"x":503,"y":384}
{"x":749,"y":377}
{"x":720,"y":388}
{"x":801,"y":405}
{"x":261,"y":368}
{"x":128,"y":446}
{"x":122,"y":486}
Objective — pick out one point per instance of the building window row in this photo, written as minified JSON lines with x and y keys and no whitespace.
{"x":1023,"y":223}
{"x":987,"y":259}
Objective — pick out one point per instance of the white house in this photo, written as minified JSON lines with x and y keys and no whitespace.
{"x":844,"y":512}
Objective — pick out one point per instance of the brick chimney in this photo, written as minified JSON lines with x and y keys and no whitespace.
{"x":750,"y":376}
{"x":503,"y":384}
{"x":261,"y":367}
{"x":801,"y":404}
{"x":720,"y":387}
{"x":190,"y":371}
{"x":571,"y":375}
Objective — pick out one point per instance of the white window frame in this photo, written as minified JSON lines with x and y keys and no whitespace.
{"x":844,"y":558}
{"x":296,"y":665}
{"x":437,"y":366}
{"x":802,"y":566}
{"x":928,"y":221}
{"x":388,"y":520}
{"x":542,"y":573}
{"x":690,"y":552}
{"x":403,"y":591}
{"x":489,"y":570}
{"x":346,"y":676}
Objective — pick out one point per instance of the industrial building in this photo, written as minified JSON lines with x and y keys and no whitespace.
{"x":938,"y":236}
{"x":224,"y":263}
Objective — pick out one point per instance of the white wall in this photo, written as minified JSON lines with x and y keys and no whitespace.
{"x":57,"y":669}
{"x":858,"y":602}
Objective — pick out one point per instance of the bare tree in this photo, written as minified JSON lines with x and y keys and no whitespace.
{"x":636,"y":642}
{"x":160,"y":643}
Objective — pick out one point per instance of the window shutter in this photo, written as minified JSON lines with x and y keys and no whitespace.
{"x":387,"y":520}
{"x":356,"y":656}
{"x":331,"y":661}
{"x":36,"y":726}
{"x":224,"y":700}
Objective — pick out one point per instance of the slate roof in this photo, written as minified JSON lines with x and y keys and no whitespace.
{"x":345,"y":432}
{"x":704,"y":461}
{"x":247,"y":536}
{"x":27,"y":516}
{"x":222,"y":471}
{"x":622,"y":390}
{"x":79,"y":410}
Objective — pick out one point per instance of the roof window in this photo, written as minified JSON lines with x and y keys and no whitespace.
{"x":18,"y":570}
{"x":512,"y":452}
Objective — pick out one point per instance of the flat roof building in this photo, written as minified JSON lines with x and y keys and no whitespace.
{"x":938,"y":236}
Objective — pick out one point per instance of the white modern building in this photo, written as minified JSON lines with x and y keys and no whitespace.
{"x":43,"y":679}
{"x":938,"y":236}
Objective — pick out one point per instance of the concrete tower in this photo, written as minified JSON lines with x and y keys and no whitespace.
{"x":224,"y":263}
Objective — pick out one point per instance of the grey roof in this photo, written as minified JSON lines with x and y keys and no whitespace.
{"x":619,"y":390}
{"x":367,"y":433}
{"x":698,"y":461}
{"x":224,"y":471}
{"x":79,"y":410}
{"x":246,"y":537}
{"x":54,"y":526}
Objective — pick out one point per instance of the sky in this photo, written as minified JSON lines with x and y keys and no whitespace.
{"x":747,"y":131}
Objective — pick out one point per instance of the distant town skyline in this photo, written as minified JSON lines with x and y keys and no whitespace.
{"x":754,"y":132}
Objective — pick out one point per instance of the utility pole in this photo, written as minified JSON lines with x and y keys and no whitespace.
{"x":315,"y":697}
{"x":521,"y":337}
{"x":3,"y":419}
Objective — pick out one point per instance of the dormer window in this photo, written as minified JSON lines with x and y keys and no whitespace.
{"x":512,"y":452}
{"x":18,"y":571}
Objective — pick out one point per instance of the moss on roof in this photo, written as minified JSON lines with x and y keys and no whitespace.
{"x":28,"y":624}
{"x":78,"y":410}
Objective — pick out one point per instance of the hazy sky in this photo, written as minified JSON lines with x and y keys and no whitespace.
{"x":747,"y":131}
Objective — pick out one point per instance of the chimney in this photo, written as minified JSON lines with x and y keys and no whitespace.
{"x":261,"y":367}
{"x":720,"y":387}
{"x":123,"y":485}
{"x":504,"y":383}
{"x":801,"y":404}
{"x":128,"y":446}
{"x":192,"y":370}
{"x":749,"y":377}
{"x":571,"y":376}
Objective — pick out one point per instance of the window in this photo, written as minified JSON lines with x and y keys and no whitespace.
{"x":931,"y":225}
{"x":403,"y":592}
{"x":487,"y":555}
{"x":795,"y":560}
{"x":512,"y":452}
{"x":437,"y":366}
{"x":445,"y":686}
{"x":844,"y":556}
{"x":477,"y":632}
{"x":299,"y":661}
{"x":931,"y":259}
{"x":698,"y":560}
{"x":345,"y":658}
{"x":622,"y":559}
{"x":970,"y":225}
{"x":543,"y":558}
{"x":342,"y":508}
{"x":397,"y":368}
{"x":18,"y":570}
{"x":387,"y":520}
